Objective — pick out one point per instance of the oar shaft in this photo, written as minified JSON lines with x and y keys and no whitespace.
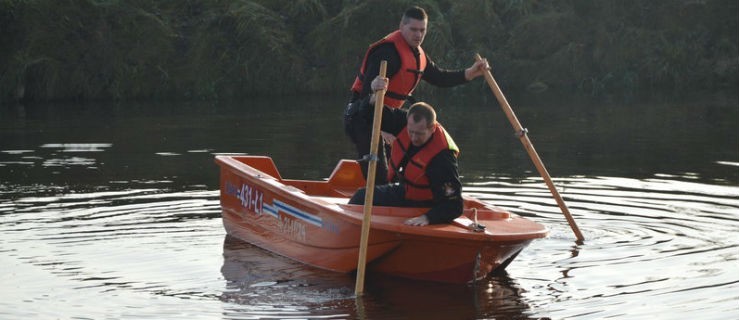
{"x":530,"y":150}
{"x":370,"y":189}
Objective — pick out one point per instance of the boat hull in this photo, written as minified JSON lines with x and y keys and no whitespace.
{"x":311,"y":222}
{"x":282,"y":236}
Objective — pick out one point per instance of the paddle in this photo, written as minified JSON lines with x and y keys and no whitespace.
{"x":370,"y":189}
{"x":522,"y":135}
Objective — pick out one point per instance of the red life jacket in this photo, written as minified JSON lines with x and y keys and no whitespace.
{"x":405,"y":80}
{"x":413,"y":176}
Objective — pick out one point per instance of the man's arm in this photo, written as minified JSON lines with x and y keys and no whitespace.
{"x":449,"y":78}
{"x":442,"y":77}
{"x":394,"y":120}
{"x":446,"y":187}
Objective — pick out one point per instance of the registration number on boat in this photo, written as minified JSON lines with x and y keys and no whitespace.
{"x":251,"y":198}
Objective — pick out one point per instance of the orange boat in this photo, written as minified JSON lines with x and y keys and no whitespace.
{"x":311,"y":222}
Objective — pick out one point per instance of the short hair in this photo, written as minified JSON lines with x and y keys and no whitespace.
{"x":414,"y":12}
{"x":422,"y":111}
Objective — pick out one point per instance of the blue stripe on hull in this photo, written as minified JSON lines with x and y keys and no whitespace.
{"x":307,"y":217}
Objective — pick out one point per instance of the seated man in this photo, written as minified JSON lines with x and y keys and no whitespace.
{"x":423,"y":164}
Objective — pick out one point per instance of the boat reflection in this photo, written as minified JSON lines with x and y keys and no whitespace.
{"x":262,"y":284}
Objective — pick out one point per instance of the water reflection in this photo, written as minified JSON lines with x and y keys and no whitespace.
{"x":129,"y":219}
{"x":263,"y":285}
{"x":77,"y":147}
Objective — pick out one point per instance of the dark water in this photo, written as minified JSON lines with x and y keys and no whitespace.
{"x":111,"y":211}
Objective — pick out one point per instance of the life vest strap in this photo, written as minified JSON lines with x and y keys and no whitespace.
{"x":396,"y":95}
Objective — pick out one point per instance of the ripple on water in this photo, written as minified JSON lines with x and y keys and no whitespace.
{"x":653,"y":248}
{"x":666,"y":242}
{"x":68,"y":249}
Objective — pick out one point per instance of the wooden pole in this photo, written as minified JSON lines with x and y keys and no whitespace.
{"x":370,"y":189}
{"x":522,"y":135}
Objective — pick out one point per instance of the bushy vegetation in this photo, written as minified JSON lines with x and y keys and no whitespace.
{"x":219,"y":49}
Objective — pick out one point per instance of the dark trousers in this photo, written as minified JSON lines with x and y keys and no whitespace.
{"x":359,"y":129}
{"x":388,"y":195}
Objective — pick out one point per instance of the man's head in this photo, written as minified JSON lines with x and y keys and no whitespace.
{"x":413,"y":26}
{"x":421,"y":122}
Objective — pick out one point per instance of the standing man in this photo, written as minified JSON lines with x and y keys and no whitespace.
{"x":407,"y":64}
{"x":423,"y":162}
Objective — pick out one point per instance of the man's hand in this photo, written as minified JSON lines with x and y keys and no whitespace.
{"x":388,"y":137}
{"x":477,"y":69}
{"x":379,"y":83}
{"x":417,"y":221}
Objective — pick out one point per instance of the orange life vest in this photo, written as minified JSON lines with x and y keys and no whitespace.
{"x":406,"y":79}
{"x":413,"y":176}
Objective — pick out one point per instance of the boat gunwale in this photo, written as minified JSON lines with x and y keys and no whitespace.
{"x":457,"y":230}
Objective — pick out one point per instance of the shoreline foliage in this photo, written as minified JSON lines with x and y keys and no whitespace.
{"x":84,"y":50}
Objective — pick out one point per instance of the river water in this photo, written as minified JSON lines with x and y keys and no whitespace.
{"x":110,"y":211}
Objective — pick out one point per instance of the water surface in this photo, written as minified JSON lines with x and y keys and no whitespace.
{"x":111,"y":211}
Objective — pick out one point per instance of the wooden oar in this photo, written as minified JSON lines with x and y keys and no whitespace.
{"x":522,"y":135}
{"x":370,"y":190}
